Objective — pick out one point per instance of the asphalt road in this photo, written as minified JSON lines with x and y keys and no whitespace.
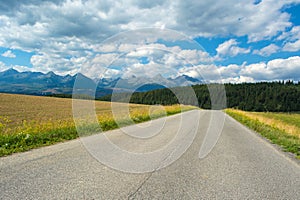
{"x":240,"y":166}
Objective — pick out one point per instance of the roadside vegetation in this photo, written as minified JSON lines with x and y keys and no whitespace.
{"x":28,"y":122}
{"x":282,"y":129}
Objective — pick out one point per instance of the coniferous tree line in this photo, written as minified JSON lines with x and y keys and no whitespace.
{"x":265,"y":96}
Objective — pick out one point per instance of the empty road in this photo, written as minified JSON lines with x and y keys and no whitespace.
{"x":240,"y":166}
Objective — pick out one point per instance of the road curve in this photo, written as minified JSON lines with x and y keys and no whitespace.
{"x":241,"y":166}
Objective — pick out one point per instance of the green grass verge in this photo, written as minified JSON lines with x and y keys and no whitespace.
{"x":288,"y":142}
{"x":20,"y":142}
{"x":13,"y":143}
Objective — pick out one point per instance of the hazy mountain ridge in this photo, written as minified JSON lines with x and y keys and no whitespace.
{"x":38,"y":83}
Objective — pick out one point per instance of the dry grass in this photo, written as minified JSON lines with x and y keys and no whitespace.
{"x":28,"y":122}
{"x":283,"y":121}
{"x":23,"y":113}
{"x":282,"y":129}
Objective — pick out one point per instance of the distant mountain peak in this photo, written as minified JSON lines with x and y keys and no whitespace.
{"x":68,"y":76}
{"x":189,"y":78}
{"x":10,"y":71}
{"x":51,"y":74}
{"x":40,"y":83}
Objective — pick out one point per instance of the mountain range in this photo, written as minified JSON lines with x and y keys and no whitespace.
{"x":37,"y":83}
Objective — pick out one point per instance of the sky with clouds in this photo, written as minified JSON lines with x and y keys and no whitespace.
{"x":228,"y":41}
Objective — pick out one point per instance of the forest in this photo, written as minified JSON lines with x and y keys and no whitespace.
{"x":280,"y":96}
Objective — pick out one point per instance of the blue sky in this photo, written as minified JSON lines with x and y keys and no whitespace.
{"x":247,"y":41}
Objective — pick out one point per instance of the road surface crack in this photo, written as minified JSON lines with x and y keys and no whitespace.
{"x":146,"y":179}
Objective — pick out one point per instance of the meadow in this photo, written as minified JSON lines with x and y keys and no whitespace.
{"x":28,"y":122}
{"x":282,"y":129}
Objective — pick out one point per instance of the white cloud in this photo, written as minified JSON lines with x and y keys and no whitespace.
{"x":277,"y":69}
{"x":105,"y":48}
{"x":99,"y":65}
{"x":3,"y":67}
{"x":8,"y":54}
{"x":195,"y":56}
{"x":150,"y":69}
{"x":292,"y":35}
{"x":157,"y":59}
{"x":22,"y":68}
{"x":65,"y":34}
{"x":30,"y":24}
{"x":244,"y":18}
{"x":160,"y":60}
{"x":267,"y":50}
{"x":111,"y":73}
{"x":292,"y":46}
{"x":141,"y":52}
{"x":238,"y":79}
{"x":208,"y":73}
{"x":231,"y":70}
{"x":291,"y":39}
{"x":59,"y":65}
{"x":230,"y":48}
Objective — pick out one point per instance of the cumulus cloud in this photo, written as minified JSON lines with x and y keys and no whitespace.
{"x":267,"y":50}
{"x":277,"y":69}
{"x":230,"y":48}
{"x":216,"y":74}
{"x":28,"y":22}
{"x":291,"y":35}
{"x":150,"y":70}
{"x":195,"y":56}
{"x":292,"y":46}
{"x":111,"y":73}
{"x":8,"y":54}
{"x":238,"y":79}
{"x":145,"y":60}
{"x":3,"y":67}
{"x":51,"y":62}
{"x":21,"y":68}
{"x":67,"y":35}
{"x":291,"y":39}
{"x":257,"y":21}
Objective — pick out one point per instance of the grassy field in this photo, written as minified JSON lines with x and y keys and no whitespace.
{"x":28,"y":122}
{"x":282,"y":129}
